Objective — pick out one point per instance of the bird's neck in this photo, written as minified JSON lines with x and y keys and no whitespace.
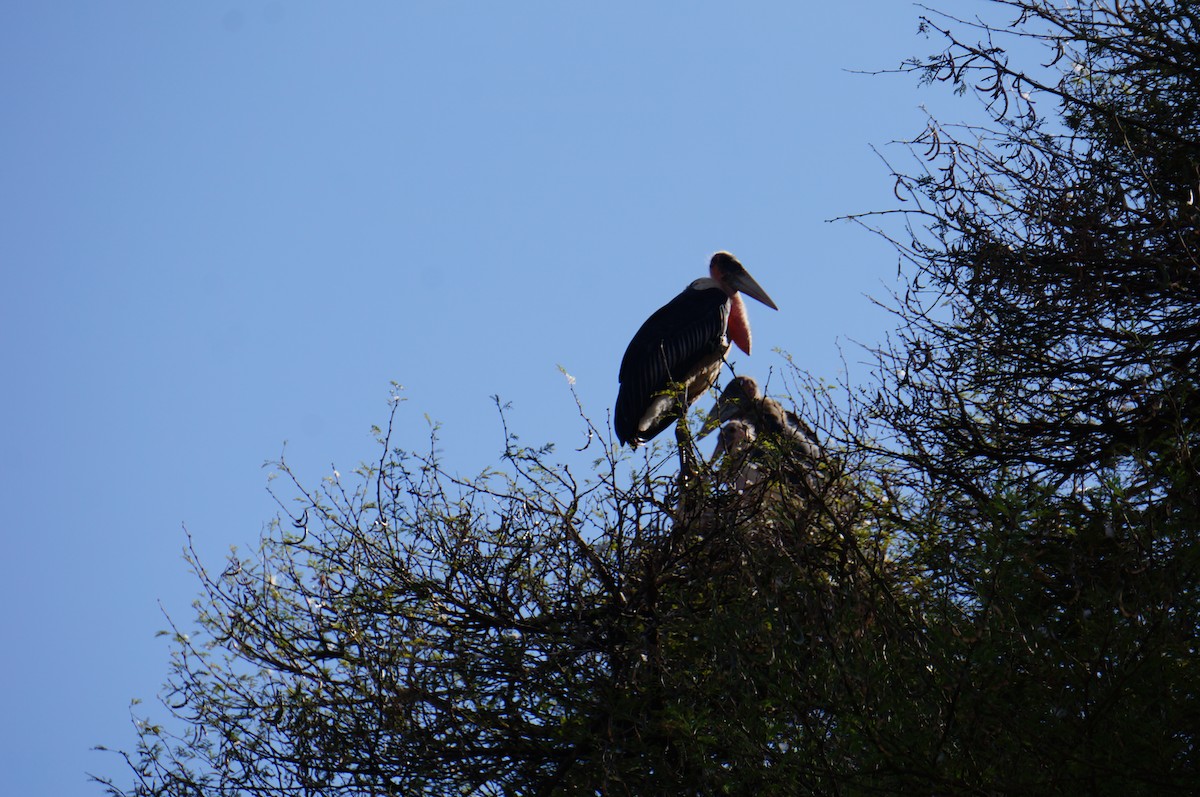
{"x":738,"y":326}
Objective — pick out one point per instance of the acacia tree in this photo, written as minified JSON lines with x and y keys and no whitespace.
{"x":525,"y":632}
{"x":986,"y":585}
{"x":1041,"y":399}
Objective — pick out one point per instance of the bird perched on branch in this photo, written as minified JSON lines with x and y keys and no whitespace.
{"x":768,"y":437}
{"x":677,"y":353}
{"x":734,"y":458}
{"x":741,"y":400}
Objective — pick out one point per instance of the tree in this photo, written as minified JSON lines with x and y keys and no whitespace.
{"x":519,"y":632}
{"x":988,"y":587}
{"x":1041,"y":397}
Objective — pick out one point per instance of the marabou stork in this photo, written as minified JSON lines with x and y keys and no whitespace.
{"x":741,"y":400}
{"x":738,"y":466}
{"x":679,"y":350}
{"x":778,"y":439}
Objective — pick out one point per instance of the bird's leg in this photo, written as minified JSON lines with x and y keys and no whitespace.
{"x":687,"y":451}
{"x":689,"y":468}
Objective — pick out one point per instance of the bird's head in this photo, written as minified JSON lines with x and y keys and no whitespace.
{"x":733,"y":277}
{"x":734,"y":441}
{"x":734,"y":403}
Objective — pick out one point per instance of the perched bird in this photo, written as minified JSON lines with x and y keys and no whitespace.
{"x":735,"y":458}
{"x":677,"y":353}
{"x":777,"y":440}
{"x":741,"y":400}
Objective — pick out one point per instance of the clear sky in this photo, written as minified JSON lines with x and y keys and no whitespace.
{"x":228,"y":225}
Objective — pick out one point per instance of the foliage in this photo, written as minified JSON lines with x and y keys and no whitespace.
{"x":1041,"y":393}
{"x":987,"y":584}
{"x":520,"y":632}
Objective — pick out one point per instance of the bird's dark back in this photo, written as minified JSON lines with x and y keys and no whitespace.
{"x":667,"y":347}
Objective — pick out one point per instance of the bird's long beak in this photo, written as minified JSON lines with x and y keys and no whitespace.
{"x":720,"y":412}
{"x":745,"y":283}
{"x":718,"y":451}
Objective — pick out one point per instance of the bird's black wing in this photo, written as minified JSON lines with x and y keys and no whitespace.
{"x":799,"y":426}
{"x":678,"y":337}
{"x":787,"y":426}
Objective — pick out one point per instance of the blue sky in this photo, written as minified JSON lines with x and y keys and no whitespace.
{"x":228,"y":225}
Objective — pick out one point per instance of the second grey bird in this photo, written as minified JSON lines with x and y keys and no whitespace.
{"x":741,"y":400}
